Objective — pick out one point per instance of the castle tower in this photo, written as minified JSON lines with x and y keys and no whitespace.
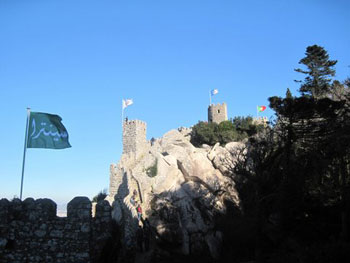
{"x":134,"y":137}
{"x":217,"y":113}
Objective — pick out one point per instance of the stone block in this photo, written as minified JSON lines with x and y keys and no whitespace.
{"x":45,"y":209}
{"x":79,"y":208}
{"x":4,"y":206}
{"x":103,"y":208}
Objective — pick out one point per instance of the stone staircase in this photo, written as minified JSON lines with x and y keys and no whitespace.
{"x":126,"y":200}
{"x":134,"y":183}
{"x":124,"y":190}
{"x":130,"y":221}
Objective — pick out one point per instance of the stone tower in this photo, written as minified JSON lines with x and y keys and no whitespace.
{"x":217,"y":113}
{"x":134,"y":137}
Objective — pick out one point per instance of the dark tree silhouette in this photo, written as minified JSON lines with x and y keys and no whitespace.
{"x":319,"y":70}
{"x":294,"y":181}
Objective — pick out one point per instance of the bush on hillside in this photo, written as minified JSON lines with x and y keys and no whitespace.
{"x":152,"y":171}
{"x":245,"y":126}
{"x":236,"y":129}
{"x":100,"y":196}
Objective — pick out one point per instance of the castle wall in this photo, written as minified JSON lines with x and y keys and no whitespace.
{"x":31,"y":232}
{"x":135,"y":145}
{"x":260,"y":121}
{"x":217,"y":113}
{"x":115,"y":179}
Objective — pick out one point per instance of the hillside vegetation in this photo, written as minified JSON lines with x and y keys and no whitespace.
{"x":236,"y":129}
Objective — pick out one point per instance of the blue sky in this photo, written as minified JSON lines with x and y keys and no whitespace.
{"x":78,"y":59}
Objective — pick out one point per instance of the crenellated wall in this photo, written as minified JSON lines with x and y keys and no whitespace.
{"x":261,"y":121}
{"x":31,"y":232}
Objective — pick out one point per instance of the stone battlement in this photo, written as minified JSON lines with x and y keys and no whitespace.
{"x":139,"y":122}
{"x":218,"y":104}
{"x":43,"y":209}
{"x":30,"y":231}
{"x":260,"y":121}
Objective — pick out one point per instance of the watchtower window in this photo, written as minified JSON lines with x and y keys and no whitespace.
{"x":218,"y":111}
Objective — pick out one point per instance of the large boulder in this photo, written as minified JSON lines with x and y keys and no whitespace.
{"x":189,"y":188}
{"x":223,"y":158}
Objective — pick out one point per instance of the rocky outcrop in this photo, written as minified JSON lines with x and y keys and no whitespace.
{"x":184,"y":196}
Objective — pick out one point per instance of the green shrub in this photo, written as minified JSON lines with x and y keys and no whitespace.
{"x":152,"y":170}
{"x":227,"y":131}
{"x":100,"y":196}
{"x":204,"y":132}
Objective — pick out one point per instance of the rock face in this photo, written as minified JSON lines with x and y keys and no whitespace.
{"x":181,"y":200}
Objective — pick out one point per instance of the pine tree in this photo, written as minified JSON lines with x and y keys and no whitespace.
{"x":319,"y":70}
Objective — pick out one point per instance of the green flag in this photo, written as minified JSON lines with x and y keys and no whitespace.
{"x":47,"y":131}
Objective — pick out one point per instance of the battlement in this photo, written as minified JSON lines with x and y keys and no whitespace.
{"x":218,"y":104}
{"x":132,"y":122}
{"x":260,"y":121}
{"x":78,"y":208}
{"x":217,"y":113}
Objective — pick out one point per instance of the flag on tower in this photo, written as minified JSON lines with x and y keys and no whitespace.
{"x":214,"y":92}
{"x":261,"y":108}
{"x":127,"y":103}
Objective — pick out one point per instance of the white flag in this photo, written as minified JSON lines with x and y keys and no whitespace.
{"x":127,"y":103}
{"x":214,"y":92}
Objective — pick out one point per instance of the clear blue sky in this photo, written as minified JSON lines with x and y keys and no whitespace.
{"x":78,"y":59}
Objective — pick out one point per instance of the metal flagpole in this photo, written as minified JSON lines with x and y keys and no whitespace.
{"x":24,"y":153}
{"x":122,"y":113}
{"x":209,"y":97}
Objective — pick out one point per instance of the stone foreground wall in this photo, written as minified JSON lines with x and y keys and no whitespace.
{"x":31,"y":232}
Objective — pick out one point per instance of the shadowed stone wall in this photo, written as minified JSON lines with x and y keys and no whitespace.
{"x":115,"y":179}
{"x":31,"y":232}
